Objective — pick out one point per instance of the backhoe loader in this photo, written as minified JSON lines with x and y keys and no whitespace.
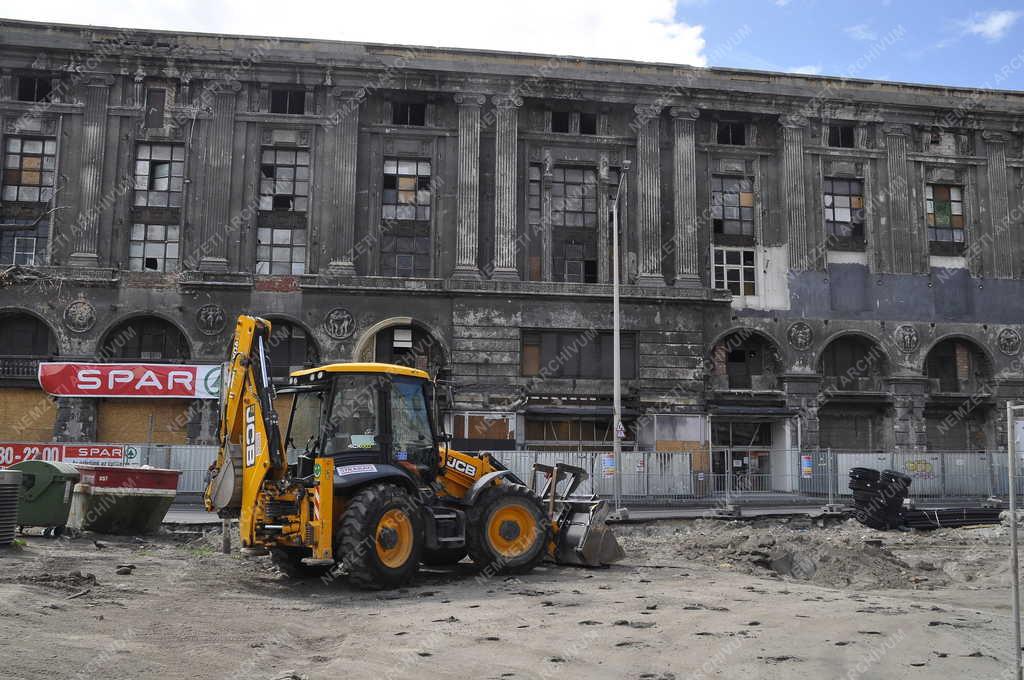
{"x":363,"y":483}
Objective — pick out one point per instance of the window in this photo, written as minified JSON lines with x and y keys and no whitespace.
{"x":844,"y":210}
{"x":575,"y":354}
{"x":410,"y":422}
{"x":28,"y":169}
{"x":560,"y":121}
{"x":156,"y":100}
{"x":153,"y":248}
{"x":353,"y":421}
{"x":732,"y":133}
{"x":732,"y":205}
{"x":159,"y":175}
{"x":574,"y":224}
{"x":408,"y":113}
{"x":735,"y":271}
{"x":288,"y":101}
{"x":945,"y":208}
{"x":32,"y":89}
{"x":281,"y":250}
{"x":405,"y":210}
{"x":290,"y":349}
{"x":25,"y":250}
{"x":284,"y":180}
{"x":146,"y":337}
{"x":841,"y":136}
{"x":588,"y":123}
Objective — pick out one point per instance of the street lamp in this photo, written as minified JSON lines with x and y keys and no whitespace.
{"x":1011,"y":451}
{"x":620,"y":430}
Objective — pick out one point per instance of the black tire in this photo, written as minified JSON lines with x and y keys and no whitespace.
{"x":524,"y":546}
{"x":443,"y":557}
{"x":368,"y":537}
{"x":289,"y":561}
{"x":867,"y":474}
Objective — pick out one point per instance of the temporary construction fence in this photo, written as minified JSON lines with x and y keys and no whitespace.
{"x":693,"y":478}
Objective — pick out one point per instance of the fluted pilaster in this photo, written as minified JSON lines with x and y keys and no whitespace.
{"x":342,"y":182}
{"x":905,"y":248}
{"x":468,"y":191}
{"x":648,"y":181}
{"x":802,"y":256}
{"x":213,"y":249}
{"x":85,"y":236}
{"x":684,"y":183}
{"x":505,"y":174}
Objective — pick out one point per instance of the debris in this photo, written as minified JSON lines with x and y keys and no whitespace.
{"x":80,"y":594}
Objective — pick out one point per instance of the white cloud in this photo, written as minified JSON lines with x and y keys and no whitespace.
{"x":861,"y":32}
{"x":645,"y":30}
{"x":808,"y":70}
{"x":991,"y":25}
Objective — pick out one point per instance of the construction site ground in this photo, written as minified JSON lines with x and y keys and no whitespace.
{"x":694,"y":598}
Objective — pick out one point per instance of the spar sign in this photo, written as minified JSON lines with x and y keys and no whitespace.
{"x":172,"y":381}
{"x":75,"y":454}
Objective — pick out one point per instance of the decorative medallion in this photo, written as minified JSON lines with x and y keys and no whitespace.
{"x":211,"y":319}
{"x":79,"y":316}
{"x":906,"y":339}
{"x":800,"y":335}
{"x":1009,"y":341}
{"x":339,"y":323}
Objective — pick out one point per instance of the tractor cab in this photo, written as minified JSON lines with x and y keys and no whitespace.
{"x":363,"y":414}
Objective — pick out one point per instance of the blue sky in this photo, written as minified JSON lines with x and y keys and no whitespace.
{"x":938,"y":41}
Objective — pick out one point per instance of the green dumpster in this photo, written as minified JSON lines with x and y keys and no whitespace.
{"x":44,"y":499}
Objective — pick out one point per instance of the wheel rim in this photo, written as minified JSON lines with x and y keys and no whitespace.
{"x":394,"y":538}
{"x":512,"y":530}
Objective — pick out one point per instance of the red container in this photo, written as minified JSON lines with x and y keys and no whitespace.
{"x":100,"y":477}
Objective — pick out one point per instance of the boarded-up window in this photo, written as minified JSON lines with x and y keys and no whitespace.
{"x":128,"y":421}
{"x":156,"y":100}
{"x":576,"y":354}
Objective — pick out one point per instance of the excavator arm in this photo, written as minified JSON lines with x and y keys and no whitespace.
{"x":250,"y":449}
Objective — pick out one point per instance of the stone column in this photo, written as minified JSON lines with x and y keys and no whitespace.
{"x":902,"y":243}
{"x":908,"y":397}
{"x":213,"y":248}
{"x":467,"y":247}
{"x":341,"y":182}
{"x":684,"y":184}
{"x":506,"y":170}
{"x":1002,"y":241}
{"x":802,"y":256}
{"x":648,"y":187}
{"x":85,"y":236}
{"x":802,"y":392}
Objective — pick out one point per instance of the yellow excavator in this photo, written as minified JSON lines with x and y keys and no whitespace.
{"x":364,"y":483}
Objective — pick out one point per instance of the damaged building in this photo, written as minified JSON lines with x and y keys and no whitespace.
{"x":807,"y":262}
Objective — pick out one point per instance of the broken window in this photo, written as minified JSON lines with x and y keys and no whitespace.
{"x":156,"y":101}
{"x":284,"y":180}
{"x":844,"y":211}
{"x":574,"y":224}
{"x":735,"y":270}
{"x":408,"y":113}
{"x":288,"y":101}
{"x":34,"y":89}
{"x":734,"y":134}
{"x":29,"y":165}
{"x":281,"y":250}
{"x":732,"y":205}
{"x":24,"y":250}
{"x":534,"y":215}
{"x":956,"y":366}
{"x":576,"y":354}
{"x":153,"y":248}
{"x":290,"y":349}
{"x":945,"y":213}
{"x":560,"y":121}
{"x":159,"y":175}
{"x":147,"y":337}
{"x":841,"y":136}
{"x":588,"y":123}
{"x":405,"y":210}
{"x":26,"y":245}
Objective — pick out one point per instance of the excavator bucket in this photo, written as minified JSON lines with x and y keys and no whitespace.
{"x":582,"y":536}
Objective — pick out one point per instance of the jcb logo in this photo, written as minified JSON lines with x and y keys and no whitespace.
{"x":462,"y":466}
{"x":250,"y":436}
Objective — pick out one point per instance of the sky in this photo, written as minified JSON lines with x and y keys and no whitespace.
{"x":938,"y":41}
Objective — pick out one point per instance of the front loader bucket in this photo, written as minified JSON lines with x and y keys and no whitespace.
{"x":584,"y":538}
{"x":581,"y":532}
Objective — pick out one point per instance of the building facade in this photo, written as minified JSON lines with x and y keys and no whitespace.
{"x":807,"y":262}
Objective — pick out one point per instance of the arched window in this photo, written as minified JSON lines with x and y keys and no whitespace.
{"x":956,"y":365}
{"x":744,"y":360}
{"x":24,"y":342}
{"x":145,"y":338}
{"x":290,"y":349}
{"x":853,"y":363}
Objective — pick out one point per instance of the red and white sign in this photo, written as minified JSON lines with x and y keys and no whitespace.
{"x":75,"y":454}
{"x":15,"y":453}
{"x":176,"y":381}
{"x":94,"y":454}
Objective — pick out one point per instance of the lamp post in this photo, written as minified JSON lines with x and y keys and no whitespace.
{"x":620,"y":512}
{"x":1011,"y":452}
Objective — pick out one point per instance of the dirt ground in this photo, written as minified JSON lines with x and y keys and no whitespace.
{"x":693,"y":599}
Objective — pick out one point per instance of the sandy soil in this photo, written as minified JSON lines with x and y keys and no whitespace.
{"x":693,"y":599}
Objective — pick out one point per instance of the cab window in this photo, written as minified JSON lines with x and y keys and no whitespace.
{"x":354,"y":421}
{"x":304,"y":424}
{"x":410,"y":421}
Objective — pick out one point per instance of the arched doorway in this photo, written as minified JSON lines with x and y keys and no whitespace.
{"x":856,"y":406}
{"x":404,"y":341}
{"x":291,"y":349}
{"x":959,"y":407}
{"x":153,"y":340}
{"x":745,"y":360}
{"x":25,"y":340}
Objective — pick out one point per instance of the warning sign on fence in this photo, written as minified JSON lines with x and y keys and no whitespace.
{"x":806,"y":466}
